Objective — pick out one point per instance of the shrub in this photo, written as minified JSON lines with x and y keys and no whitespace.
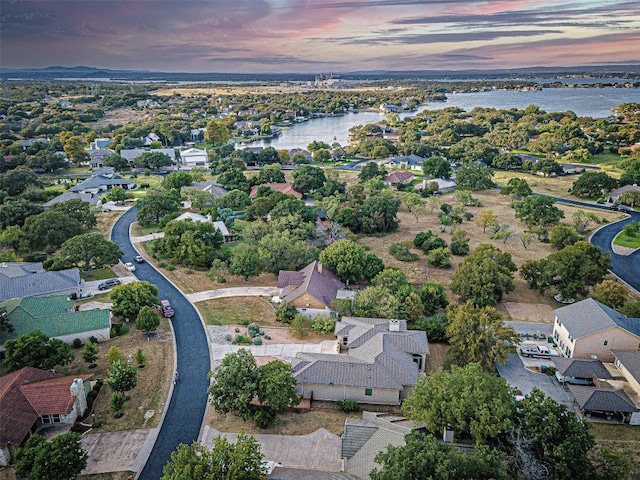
{"x":264,"y":417}
{"x":117,"y":402}
{"x":400,"y":251}
{"x":323,"y":324}
{"x":242,"y":340}
{"x":435,"y":327}
{"x":348,"y":405}
{"x":244,"y":321}
{"x":77,"y":343}
{"x":551,"y":371}
{"x":285,"y":312}
{"x":228,"y":337}
{"x":257,"y":341}
{"x":439,"y":258}
{"x":93,"y":339}
{"x":300,"y":326}
{"x":162,"y":264}
{"x":467,"y":216}
{"x":237,"y":330}
{"x":459,"y":248}
{"x":253,"y":329}
{"x":34,"y":257}
{"x":170,"y":267}
{"x":267,"y":337}
{"x":428,"y":241}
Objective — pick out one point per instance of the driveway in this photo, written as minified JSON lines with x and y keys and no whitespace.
{"x":187,"y":406}
{"x":283,"y":351}
{"x":320,"y":450}
{"x":91,"y":288}
{"x":232,"y":292}
{"x":113,"y":451}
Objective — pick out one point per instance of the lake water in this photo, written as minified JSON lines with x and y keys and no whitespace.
{"x":585,"y":102}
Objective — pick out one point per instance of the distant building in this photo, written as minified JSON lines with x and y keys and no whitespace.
{"x":193,"y":157}
{"x":285,"y":188}
{"x":100,"y":183}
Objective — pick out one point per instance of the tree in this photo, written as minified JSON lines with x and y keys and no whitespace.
{"x":36,"y":350}
{"x":116,"y":161}
{"x":631,"y":174}
{"x":129,"y":298}
{"x":50,"y":229}
{"x":17,"y":211}
{"x":234,"y":179}
{"x":217,"y":133}
{"x":437,"y":167}
{"x":475,"y":176}
{"x":244,"y":261}
{"x":18,"y":180}
{"x":153,"y":160}
{"x":241,"y":460}
{"x":122,"y":377}
{"x":89,"y":249}
{"x":190,"y":243}
{"x":630,"y":197}
{"x":77,"y":210}
{"x":373,"y":265}
{"x":276,"y":386}
{"x":548,"y":167}
{"x":72,"y":145}
{"x":538,"y":210}
{"x":561,"y":441}
{"x":439,"y":258}
{"x":147,"y":320}
{"x":465,"y":398}
{"x":478,"y":334}
{"x":269,"y":174}
{"x":424,"y":457}
{"x":378,"y":215}
{"x":484,"y":276}
{"x":308,"y":179}
{"x":612,"y":294}
{"x":593,"y":184}
{"x":59,"y":459}
{"x":177,"y":180}
{"x":346,"y":259}
{"x":371,"y":170}
{"x":90,"y":353}
{"x":234,"y":383}
{"x":562,"y":236}
{"x":140,"y":358}
{"x":156,"y":204}
{"x":485,"y":219}
{"x":517,"y":188}
{"x":116,"y":194}
{"x":114,"y":355}
{"x":434,"y":297}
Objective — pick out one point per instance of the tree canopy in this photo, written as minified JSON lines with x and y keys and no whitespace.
{"x":129,"y":298}
{"x":36,"y":350}
{"x":346,"y":259}
{"x":122,"y":377}
{"x":59,"y":459}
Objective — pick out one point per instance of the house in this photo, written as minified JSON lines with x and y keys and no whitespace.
{"x":108,"y":172}
{"x":152,"y":137}
{"x":411,"y":162}
{"x":302,"y":151}
{"x":285,"y":188}
{"x":56,"y":317}
{"x":444,"y":186}
{"x":97,"y":157}
{"x":131,"y":154}
{"x":382,"y":363}
{"x":101,"y":183}
{"x":218,"y":225}
{"x":394,"y":179}
{"x":92,"y":199}
{"x":366,"y":437}
{"x":614,"y":196}
{"x":210,"y":186}
{"x":100,"y":143}
{"x":628,"y":362}
{"x":192,"y":157}
{"x":310,"y":290}
{"x":30,"y":399}
{"x":579,"y":372}
{"x":19,"y":280}
{"x":589,"y":329}
{"x":604,"y":402}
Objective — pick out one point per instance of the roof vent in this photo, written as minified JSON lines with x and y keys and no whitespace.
{"x":594,"y":357}
{"x":394,"y":325}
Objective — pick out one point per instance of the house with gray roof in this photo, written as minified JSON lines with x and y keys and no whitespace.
{"x":412,"y":162}
{"x":590,"y":329}
{"x":609,"y":403}
{"x":310,"y":290}
{"x":93,"y":199}
{"x":614,"y":195}
{"x":19,"y":280}
{"x":579,"y":372}
{"x":101,"y":183}
{"x":628,"y":362}
{"x":97,"y":156}
{"x":130,"y":154}
{"x":381,"y":363}
{"x":210,"y":186}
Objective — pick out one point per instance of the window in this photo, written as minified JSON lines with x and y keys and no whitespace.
{"x":368,"y":392}
{"x":49,"y":419}
{"x":606,"y":342}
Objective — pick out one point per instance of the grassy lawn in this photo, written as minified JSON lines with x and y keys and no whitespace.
{"x":138,"y":230}
{"x":625,"y":438}
{"x":105,"y":222}
{"x":152,"y":180}
{"x":237,"y":311}
{"x":100,"y":297}
{"x":624,"y":240}
{"x":98,"y":274}
{"x":609,"y":159}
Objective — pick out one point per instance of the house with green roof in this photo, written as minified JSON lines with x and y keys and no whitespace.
{"x":55,"y":316}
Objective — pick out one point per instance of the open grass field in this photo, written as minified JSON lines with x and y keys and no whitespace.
{"x":237,"y":311}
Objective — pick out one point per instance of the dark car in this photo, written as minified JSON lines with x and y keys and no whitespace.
{"x":111,"y":282}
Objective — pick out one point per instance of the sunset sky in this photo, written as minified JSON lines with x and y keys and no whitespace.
{"x":304,"y":36}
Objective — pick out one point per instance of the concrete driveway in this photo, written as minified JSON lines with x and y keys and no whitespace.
{"x":91,"y":288}
{"x":283,"y":351}
{"x":113,"y":451}
{"x":232,"y":292}
{"x":320,"y":450}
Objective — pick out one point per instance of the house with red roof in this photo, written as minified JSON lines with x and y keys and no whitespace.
{"x":311,"y":289}
{"x":394,"y":179}
{"x":285,"y":188}
{"x":30,"y":399}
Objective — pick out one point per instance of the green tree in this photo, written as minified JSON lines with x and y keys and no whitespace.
{"x":234,"y":383}
{"x":517,"y":188}
{"x":122,"y":377}
{"x":234,"y":179}
{"x":59,"y":459}
{"x":177,"y":180}
{"x":630,"y":197}
{"x":562,"y":236}
{"x":478,"y":334}
{"x":114,"y":355}
{"x":129,"y":298}
{"x":434,"y":297}
{"x":424,"y":457}
{"x":371,"y":170}
{"x":90,"y":353}
{"x":485,"y":218}
{"x":548,"y":167}
{"x":13,"y":237}
{"x":593,"y":184}
{"x":17,"y":211}
{"x":156,"y":204}
{"x":271,"y":173}
{"x":116,"y":161}
{"x":379,"y":215}
{"x":484,"y":276}
{"x":116,"y":194}
{"x":346,"y":259}
{"x":77,"y":210}
{"x":140,"y":358}
{"x":244,"y":261}
{"x":437,"y":167}
{"x":439,"y":258}
{"x":50,"y":229}
{"x":241,"y":460}
{"x":217,"y":133}
{"x":466,"y":398}
{"x":18,"y":180}
{"x":89,"y":249}
{"x":276,"y":386}
{"x":36,"y":350}
{"x":475,"y":177}
{"x":73,"y":147}
{"x":373,"y":265}
{"x":538,"y":211}
{"x":147,"y":320}
{"x":308,"y":179}
{"x":153,"y":160}
{"x":612,"y":294}
{"x":281,"y":251}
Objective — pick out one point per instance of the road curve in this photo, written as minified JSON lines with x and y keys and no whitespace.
{"x":186,"y":410}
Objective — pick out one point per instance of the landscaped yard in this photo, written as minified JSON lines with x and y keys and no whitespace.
{"x":624,"y":240}
{"x":237,"y":311}
{"x":97,"y":274}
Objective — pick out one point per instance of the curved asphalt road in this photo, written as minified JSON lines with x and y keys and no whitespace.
{"x":186,"y":410}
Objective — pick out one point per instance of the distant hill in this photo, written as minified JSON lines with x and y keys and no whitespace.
{"x":631,"y":71}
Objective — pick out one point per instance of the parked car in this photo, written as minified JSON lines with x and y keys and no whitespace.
{"x":139,"y":259}
{"x":130,"y":266}
{"x":167,"y":311}
{"x":538,"y":351}
{"x":111,"y":282}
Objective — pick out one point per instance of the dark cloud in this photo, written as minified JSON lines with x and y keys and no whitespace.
{"x":428,"y":38}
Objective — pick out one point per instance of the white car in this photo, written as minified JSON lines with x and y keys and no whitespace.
{"x":130,"y":266}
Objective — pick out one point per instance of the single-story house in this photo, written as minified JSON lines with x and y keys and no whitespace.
{"x":92,"y":199}
{"x":100,"y":143}
{"x":31,"y":398}
{"x":100,"y":183}
{"x":218,"y":225}
{"x":614,"y":195}
{"x":197,"y":134}
{"x":396,"y":178}
{"x":152,"y":137}
{"x":310,"y":290}
{"x":193,"y":157}
{"x":412,"y":162}
{"x":382,"y":363}
{"x":285,"y":188}
{"x":210,"y":186}
{"x":628,"y":362}
{"x":19,"y":280}
{"x":131,"y":154}
{"x":97,"y":157}
{"x":109,"y":172}
{"x":302,"y":151}
{"x":366,"y":437}
{"x":589,"y":329}
{"x":444,"y":186}
{"x":579,"y":372}
{"x":603,"y":402}
{"x":56,"y":317}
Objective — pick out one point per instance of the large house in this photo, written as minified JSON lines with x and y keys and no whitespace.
{"x":310,"y":290}
{"x":131,"y":154}
{"x":628,"y":362}
{"x":444,"y":186}
{"x":218,"y":225}
{"x":56,"y":317}
{"x":285,"y":188}
{"x":394,"y":179}
{"x":589,"y":329}
{"x":382,"y":363}
{"x":30,"y":399}
{"x":101,"y":183}
{"x":614,"y":196}
{"x":411,"y":162}
{"x":193,"y":157}
{"x":19,"y":280}
{"x":209,"y":186}
{"x":93,"y":199}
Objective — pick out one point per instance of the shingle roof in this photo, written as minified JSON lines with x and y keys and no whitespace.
{"x":314,"y":279}
{"x":282,"y":473}
{"x":99,"y":181}
{"x":285,"y":188}
{"x":19,"y":269}
{"x":398,"y":177}
{"x":211,"y":186}
{"x":63,"y":197}
{"x":38,"y":283}
{"x":630,"y":360}
{"x":52,"y":396}
{"x":576,"y":368}
{"x":600,"y":399}
{"x":133,"y":153}
{"x":590,"y":316}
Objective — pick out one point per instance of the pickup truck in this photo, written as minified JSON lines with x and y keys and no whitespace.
{"x":539,"y":351}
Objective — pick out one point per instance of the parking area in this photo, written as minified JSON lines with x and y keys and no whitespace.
{"x":91,"y":288}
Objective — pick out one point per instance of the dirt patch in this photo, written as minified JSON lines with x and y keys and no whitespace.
{"x":438,"y":357}
{"x":529,"y":312}
{"x":237,"y":310}
{"x":281,"y":334}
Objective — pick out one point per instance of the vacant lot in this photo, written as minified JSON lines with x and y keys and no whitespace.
{"x":237,"y":311}
{"x":625,"y":438}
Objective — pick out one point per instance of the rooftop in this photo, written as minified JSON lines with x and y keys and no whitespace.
{"x":590,"y":316}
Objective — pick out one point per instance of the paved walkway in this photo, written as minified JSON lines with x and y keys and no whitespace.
{"x":232,"y":292}
{"x":113,"y":451}
{"x":320,"y":450}
{"x":146,"y":238}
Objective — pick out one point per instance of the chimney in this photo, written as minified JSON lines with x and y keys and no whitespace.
{"x":319,"y":268}
{"x":394,"y":325}
{"x":447,"y":435}
{"x":77,"y":390}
